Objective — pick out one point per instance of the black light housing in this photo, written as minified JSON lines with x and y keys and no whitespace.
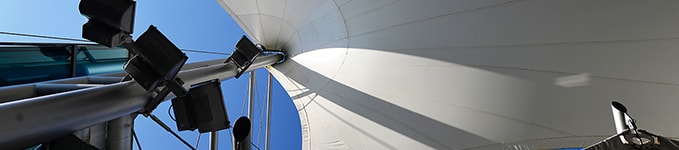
{"x":139,"y":70}
{"x":156,"y":49}
{"x":184,"y":113}
{"x":202,"y":108}
{"x":110,"y":21}
{"x":157,"y":60}
{"x":244,"y":55}
{"x":118,"y":14}
{"x":103,"y":35}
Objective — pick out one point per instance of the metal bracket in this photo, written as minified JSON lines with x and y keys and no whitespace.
{"x":174,"y":86}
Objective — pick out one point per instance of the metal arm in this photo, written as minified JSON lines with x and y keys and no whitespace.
{"x":33,"y":120}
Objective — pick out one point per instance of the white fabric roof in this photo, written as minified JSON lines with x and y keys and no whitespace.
{"x":470,"y":74}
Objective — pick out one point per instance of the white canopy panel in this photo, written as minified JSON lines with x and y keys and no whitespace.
{"x":470,"y":74}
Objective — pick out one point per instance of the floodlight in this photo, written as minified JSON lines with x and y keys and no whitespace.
{"x":139,"y":70}
{"x":157,"y":61}
{"x":154,"y":48}
{"x":202,"y":108}
{"x":184,"y":113}
{"x":110,"y":21}
{"x":118,"y":14}
{"x":103,"y":35}
{"x":244,"y":55}
{"x":209,"y":103}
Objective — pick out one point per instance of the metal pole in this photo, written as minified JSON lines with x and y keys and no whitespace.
{"x":214,"y":140}
{"x":167,"y":128}
{"x":619,"y":118}
{"x":268,"y":111}
{"x":33,"y":120}
{"x":251,"y":99}
{"x":52,"y":88}
{"x":241,"y":134}
{"x":23,"y":91}
{"x":119,"y":134}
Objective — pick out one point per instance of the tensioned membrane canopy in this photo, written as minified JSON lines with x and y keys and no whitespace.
{"x":470,"y":74}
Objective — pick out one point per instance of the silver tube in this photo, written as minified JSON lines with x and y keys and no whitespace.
{"x":11,"y":93}
{"x":251,"y":103}
{"x":15,"y":92}
{"x":214,"y":140}
{"x":51,"y":88}
{"x":38,"y":119}
{"x":619,"y":118}
{"x":34,"y":120}
{"x":242,"y":131}
{"x":268,"y":111}
{"x":119,"y":133}
{"x":223,"y":71}
{"x":251,"y":99}
{"x":104,"y":80}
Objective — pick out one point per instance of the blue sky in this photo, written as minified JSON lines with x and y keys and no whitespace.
{"x":197,"y":25}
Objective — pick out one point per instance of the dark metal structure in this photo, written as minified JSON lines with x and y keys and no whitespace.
{"x":31,"y":119}
{"x":55,"y":112}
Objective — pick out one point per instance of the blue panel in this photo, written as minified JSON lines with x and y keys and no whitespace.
{"x":34,"y":63}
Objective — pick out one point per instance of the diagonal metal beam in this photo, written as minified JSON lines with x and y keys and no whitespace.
{"x":38,"y":119}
